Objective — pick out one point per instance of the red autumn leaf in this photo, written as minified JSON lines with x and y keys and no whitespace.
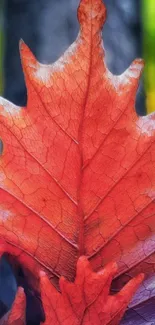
{"x":86,"y":301}
{"x":77,"y":171}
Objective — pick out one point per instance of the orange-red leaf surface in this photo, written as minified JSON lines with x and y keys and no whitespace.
{"x":77,"y":172}
{"x":86,"y":301}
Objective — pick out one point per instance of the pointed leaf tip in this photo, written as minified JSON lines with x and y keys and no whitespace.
{"x":20,"y":291}
{"x":131,"y":287}
{"x":133,"y":73}
{"x":21,"y":42}
{"x":136,"y":68}
{"x":111,"y":268}
{"x":26,"y":54}
{"x":92,"y":11}
{"x":42,"y":274}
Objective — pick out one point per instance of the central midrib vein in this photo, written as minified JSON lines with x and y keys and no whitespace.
{"x":80,"y":211}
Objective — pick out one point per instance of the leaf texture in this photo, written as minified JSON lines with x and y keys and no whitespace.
{"x":86,"y":301}
{"x":77,"y":172}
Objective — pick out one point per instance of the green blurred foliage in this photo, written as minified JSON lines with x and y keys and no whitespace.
{"x":148,"y":16}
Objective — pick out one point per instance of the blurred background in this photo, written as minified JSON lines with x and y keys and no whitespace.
{"x":48,"y":27}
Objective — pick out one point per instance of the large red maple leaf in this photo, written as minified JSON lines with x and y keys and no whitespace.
{"x":77,"y":178}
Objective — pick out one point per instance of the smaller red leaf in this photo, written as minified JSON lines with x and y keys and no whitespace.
{"x":87,"y":300}
{"x":17,"y":314}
